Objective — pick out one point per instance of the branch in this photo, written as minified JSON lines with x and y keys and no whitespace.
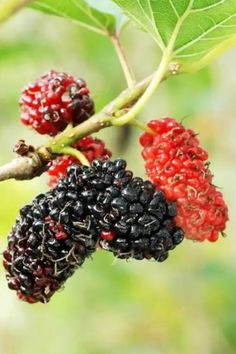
{"x":23,"y":168}
{"x":9,"y":7}
{"x":35,"y":163}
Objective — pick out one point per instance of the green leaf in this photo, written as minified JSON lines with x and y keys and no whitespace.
{"x":109,"y":7}
{"x":101,"y":16}
{"x":198,"y":29}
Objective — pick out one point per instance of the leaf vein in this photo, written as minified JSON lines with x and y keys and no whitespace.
{"x":192,"y":54}
{"x":51,"y":9}
{"x":174,"y":8}
{"x":151,"y":21}
{"x":88,"y":12}
{"x":203,"y":34}
{"x":208,"y":7}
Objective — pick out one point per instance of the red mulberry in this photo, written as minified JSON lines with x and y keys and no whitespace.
{"x":177,"y":164}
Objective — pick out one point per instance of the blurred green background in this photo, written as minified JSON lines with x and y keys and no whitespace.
{"x":185,"y":305}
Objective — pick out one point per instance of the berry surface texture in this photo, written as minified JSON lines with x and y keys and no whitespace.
{"x":53,"y":101}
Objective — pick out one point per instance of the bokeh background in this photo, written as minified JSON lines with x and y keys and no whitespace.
{"x":186,"y":305}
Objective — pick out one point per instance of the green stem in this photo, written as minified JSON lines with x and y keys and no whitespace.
{"x":76,"y":153}
{"x":9,"y":7}
{"x":142,"y":126}
{"x":157,"y":79}
{"x":160,"y":74}
{"x":128,"y":73}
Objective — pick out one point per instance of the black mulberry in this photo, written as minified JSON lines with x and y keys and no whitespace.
{"x":99,"y":204}
{"x":133,"y":218}
{"x":50,"y":239}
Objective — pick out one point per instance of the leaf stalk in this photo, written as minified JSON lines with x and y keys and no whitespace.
{"x":128,"y":73}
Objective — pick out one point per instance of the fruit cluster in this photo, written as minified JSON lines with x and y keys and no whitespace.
{"x":102,"y":204}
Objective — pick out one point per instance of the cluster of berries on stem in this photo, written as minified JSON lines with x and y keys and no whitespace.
{"x":103,"y":205}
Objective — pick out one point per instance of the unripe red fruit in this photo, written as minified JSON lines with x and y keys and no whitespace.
{"x":53,"y":101}
{"x":177,"y":164}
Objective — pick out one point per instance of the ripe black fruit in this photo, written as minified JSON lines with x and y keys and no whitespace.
{"x":103,"y":203}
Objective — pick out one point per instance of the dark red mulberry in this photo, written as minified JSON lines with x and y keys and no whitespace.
{"x":53,"y":101}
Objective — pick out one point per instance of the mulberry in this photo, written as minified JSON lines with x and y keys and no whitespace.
{"x":98,"y":204}
{"x":133,"y":219}
{"x":177,"y":164}
{"x":46,"y":245}
{"x":55,"y":100}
